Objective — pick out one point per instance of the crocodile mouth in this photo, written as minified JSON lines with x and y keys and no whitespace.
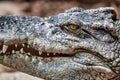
{"x":32,"y":51}
{"x":29,"y":50}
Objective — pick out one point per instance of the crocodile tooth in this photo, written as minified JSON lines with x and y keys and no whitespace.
{"x":4,"y":48}
{"x":28,"y":53}
{"x":48,"y":54}
{"x":23,"y":45}
{"x":16,"y":45}
{"x":13,"y":51}
{"x":54,"y":53}
{"x":28,"y":46}
{"x":21,"y":50}
{"x":40,"y":52}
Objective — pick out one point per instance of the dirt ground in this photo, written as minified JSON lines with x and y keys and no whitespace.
{"x":44,"y":8}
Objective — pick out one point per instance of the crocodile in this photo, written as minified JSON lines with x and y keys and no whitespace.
{"x":77,"y":44}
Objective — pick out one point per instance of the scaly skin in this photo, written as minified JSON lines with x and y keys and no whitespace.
{"x":74,"y":45}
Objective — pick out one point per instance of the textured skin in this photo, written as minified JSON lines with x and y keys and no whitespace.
{"x":52,"y":51}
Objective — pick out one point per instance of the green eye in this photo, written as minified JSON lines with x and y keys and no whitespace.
{"x":73,"y":27}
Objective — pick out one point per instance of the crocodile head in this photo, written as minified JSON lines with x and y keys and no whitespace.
{"x":77,"y":44}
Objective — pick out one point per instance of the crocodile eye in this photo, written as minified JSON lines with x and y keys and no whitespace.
{"x":73,"y":27}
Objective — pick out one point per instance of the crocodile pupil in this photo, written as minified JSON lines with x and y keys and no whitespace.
{"x":73,"y":27}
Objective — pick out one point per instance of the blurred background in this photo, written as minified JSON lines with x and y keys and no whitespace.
{"x":51,"y":7}
{"x":44,"y":8}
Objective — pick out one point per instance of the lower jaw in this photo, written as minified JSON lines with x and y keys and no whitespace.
{"x":40,"y":66}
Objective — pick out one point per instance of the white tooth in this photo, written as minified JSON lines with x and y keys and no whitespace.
{"x":28,"y":46}
{"x":13,"y":51}
{"x":4,"y":48}
{"x":21,"y":50}
{"x":48,"y":54}
{"x":40,"y":52}
{"x":28,"y":53}
{"x":54,"y":53}
{"x":16,"y":45}
{"x":23,"y":45}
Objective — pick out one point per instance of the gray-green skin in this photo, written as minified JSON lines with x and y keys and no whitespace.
{"x":91,"y":52}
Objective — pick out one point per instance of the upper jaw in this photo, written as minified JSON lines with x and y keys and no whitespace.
{"x":69,"y":44}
